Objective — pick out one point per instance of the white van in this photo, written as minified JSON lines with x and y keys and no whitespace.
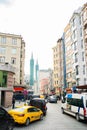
{"x":75,"y":104}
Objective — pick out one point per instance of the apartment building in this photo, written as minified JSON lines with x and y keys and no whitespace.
{"x":12,"y":51}
{"x":68,"y":55}
{"x":84,"y":16}
{"x":58,"y":72}
{"x":75,"y":53}
{"x":75,"y":50}
{"x":79,"y":63}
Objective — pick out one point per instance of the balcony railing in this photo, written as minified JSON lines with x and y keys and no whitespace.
{"x":7,"y":67}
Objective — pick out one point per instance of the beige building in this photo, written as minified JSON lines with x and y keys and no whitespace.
{"x":58,"y":66}
{"x":12,"y":51}
{"x":70,"y":79}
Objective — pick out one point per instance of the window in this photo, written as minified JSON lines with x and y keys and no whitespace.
{"x":84,"y":81}
{"x":32,"y":110}
{"x":73,"y":22}
{"x":75,"y":45}
{"x":82,"y":56}
{"x":14,"y":41}
{"x":14,"y":51}
{"x":75,"y":102}
{"x":13,"y":60}
{"x":2,"y":59}
{"x":74,"y":35}
{"x":81,"y":43}
{"x":77,"y":70}
{"x":80,"y":20}
{"x":76,"y":57}
{"x":2,"y":50}
{"x":81,"y":32}
{"x":83,"y":69}
{"x":4,"y":79}
{"x":3,"y":40}
{"x":78,"y":81}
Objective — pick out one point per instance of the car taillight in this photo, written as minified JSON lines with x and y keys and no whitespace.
{"x":84,"y":112}
{"x":20,"y":115}
{"x":44,"y":107}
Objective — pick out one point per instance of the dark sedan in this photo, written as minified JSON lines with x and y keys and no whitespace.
{"x":6,"y":121}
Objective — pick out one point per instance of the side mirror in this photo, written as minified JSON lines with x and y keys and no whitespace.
{"x":63,"y":101}
{"x":46,"y":100}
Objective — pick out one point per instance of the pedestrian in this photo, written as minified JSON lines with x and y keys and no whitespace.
{"x":13,"y":103}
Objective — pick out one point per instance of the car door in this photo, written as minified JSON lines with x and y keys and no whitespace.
{"x":33,"y":114}
{"x":3,"y":119}
{"x":37,"y":113}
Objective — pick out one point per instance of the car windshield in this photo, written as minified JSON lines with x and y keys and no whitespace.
{"x":54,"y":96}
{"x":19,"y":109}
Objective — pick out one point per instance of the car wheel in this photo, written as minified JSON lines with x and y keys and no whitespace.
{"x":45,"y":113}
{"x":27,"y":122}
{"x":62,"y":110}
{"x":10,"y":127}
{"x":41,"y":117}
{"x":77,"y":117}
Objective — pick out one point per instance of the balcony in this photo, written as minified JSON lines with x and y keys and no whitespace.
{"x":7,"y":67}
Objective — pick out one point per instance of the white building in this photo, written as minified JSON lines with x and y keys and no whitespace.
{"x":78,"y":56}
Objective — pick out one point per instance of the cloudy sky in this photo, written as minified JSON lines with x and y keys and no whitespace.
{"x":40,"y":22}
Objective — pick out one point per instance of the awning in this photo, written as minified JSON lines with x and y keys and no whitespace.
{"x":6,"y":89}
{"x":18,"y":89}
{"x":82,"y":87}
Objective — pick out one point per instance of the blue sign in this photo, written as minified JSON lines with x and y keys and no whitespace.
{"x":69,"y":95}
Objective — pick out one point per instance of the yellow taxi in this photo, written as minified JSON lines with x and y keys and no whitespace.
{"x":42,"y":96}
{"x":26,"y":114}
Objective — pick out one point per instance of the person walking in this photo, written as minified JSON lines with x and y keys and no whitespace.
{"x":13,"y":103}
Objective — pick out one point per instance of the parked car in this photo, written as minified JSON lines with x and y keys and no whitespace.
{"x":39,"y":103}
{"x":18,"y":96}
{"x":26,"y":114}
{"x":37,"y":96}
{"x":52,"y":99}
{"x":6,"y":120}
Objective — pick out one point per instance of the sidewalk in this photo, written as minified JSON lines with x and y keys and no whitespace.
{"x":17,"y":103}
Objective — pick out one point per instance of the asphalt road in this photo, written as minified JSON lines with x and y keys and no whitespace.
{"x":55,"y":120}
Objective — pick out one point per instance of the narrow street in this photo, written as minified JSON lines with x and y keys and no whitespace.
{"x":55,"y":120}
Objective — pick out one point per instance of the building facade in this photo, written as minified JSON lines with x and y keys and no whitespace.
{"x":7,"y":73}
{"x":75,"y":43}
{"x":12,"y":51}
{"x":68,"y":55}
{"x":79,"y":63}
{"x":58,"y":71}
{"x":84,"y":19}
{"x":45,"y":81}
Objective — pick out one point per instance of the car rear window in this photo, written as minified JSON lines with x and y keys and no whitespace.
{"x":19,"y":109}
{"x":2,"y":112}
